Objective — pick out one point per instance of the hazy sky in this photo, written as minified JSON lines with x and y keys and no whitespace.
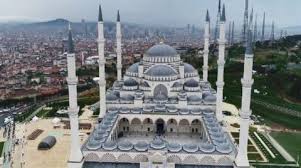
{"x":158,"y":12}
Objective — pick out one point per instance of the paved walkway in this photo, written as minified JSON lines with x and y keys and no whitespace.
{"x":282,"y":151}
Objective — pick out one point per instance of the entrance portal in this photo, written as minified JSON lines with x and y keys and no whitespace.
{"x":160,"y":127}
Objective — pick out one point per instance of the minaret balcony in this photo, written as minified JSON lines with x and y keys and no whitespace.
{"x":72,"y":80}
{"x":73,"y":112}
{"x":220,"y":84}
{"x":247,"y":83}
{"x":102,"y":40}
{"x":220,"y":62}
{"x":222,"y":41}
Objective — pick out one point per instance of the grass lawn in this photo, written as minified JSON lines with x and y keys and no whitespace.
{"x":1,"y":148}
{"x":290,"y":141}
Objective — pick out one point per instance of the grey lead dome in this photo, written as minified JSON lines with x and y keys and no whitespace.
{"x":161,"y":70}
{"x":161,"y":50}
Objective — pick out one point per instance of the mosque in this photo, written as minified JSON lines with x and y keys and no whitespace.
{"x":160,"y":113}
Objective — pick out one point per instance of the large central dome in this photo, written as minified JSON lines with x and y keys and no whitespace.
{"x":161,"y":50}
{"x":161,"y":53}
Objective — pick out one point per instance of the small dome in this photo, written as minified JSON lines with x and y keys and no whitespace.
{"x":177,"y":84}
{"x":161,"y":50}
{"x":161,"y":71}
{"x":127,"y":98}
{"x":111,"y":97}
{"x":191,"y":83}
{"x":141,"y":146}
{"x":210,"y":98}
{"x":133,"y":68}
{"x":194,"y":98}
{"x":189,"y":68}
{"x":130,"y":82}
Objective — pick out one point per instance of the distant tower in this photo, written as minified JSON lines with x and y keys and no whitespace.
{"x":118,"y":49}
{"x":255,"y":30}
{"x":206,"y":47}
{"x":281,"y":34}
{"x":76,"y":155}
{"x":221,"y":63}
{"x":232,"y":36}
{"x":85,"y":27}
{"x":273,"y":32}
{"x":263,"y":28}
{"x":245,"y":111}
{"x":102,"y":62}
{"x":246,"y":19}
{"x":229,"y":34}
{"x":217,"y":21}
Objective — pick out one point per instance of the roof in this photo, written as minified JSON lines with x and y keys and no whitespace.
{"x":47,"y":143}
{"x":161,"y":70}
{"x":161,"y":50}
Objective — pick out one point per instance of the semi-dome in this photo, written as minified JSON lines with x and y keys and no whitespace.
{"x":133,"y":68}
{"x":161,"y":50}
{"x":130,"y":82}
{"x":189,"y":68}
{"x":161,"y":71}
{"x":191,"y":83}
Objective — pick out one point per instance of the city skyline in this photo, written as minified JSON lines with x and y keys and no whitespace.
{"x":149,"y":12}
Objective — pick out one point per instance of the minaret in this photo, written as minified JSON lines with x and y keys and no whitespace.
{"x":75,"y":152}
{"x":232,"y":36}
{"x":273,"y":32}
{"x":229,"y":34}
{"x":118,"y":49}
{"x":255,"y":30}
{"x":245,"y":112}
{"x":246,"y":19}
{"x":221,"y":63}
{"x":102,"y":62}
{"x":206,"y":47}
{"x":263,"y":28}
{"x":217,"y":21}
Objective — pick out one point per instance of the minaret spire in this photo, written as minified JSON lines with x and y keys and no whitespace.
{"x":70,"y":40}
{"x":221,"y":63}
{"x":206,"y":47}
{"x":251,"y":20}
{"x":118,"y":16}
{"x":217,"y":21}
{"x":263,"y":28}
{"x":75,"y":153}
{"x":246,"y":19}
{"x":255,"y":30}
{"x":232,"y":36}
{"x":100,"y":19}
{"x":229,"y":33}
{"x":273,"y":32}
{"x":247,"y":81}
{"x":102,"y":62}
{"x":118,"y":49}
